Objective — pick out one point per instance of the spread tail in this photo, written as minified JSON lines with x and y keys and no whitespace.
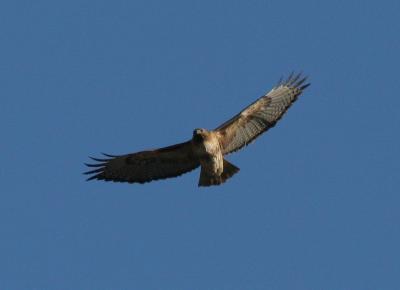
{"x":207,"y":178}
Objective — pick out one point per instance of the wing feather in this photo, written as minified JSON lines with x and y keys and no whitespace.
{"x":145,"y":166}
{"x":261,"y":115}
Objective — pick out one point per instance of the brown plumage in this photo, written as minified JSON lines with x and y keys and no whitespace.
{"x":206,"y":148}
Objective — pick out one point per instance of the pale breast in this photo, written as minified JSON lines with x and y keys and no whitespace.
{"x":213,"y":159}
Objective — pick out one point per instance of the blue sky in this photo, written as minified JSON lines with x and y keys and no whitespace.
{"x":316,"y":203}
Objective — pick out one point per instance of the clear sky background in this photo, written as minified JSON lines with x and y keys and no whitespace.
{"x":316,"y":204}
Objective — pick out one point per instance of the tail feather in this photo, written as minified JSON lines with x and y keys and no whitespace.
{"x":229,"y":170}
{"x":208,"y":179}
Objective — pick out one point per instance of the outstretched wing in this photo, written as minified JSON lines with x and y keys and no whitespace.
{"x":261,"y":115}
{"x":145,"y":166}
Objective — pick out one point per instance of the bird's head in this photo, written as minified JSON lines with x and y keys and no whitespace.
{"x":199,"y":134}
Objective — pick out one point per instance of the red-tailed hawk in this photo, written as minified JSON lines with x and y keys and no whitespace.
{"x":206,"y":148}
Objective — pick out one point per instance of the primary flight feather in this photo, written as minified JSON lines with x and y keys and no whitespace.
{"x":206,"y":148}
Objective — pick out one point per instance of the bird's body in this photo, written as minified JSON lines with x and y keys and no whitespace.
{"x":207,"y":147}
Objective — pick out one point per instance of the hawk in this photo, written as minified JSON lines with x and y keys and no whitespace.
{"x":206,"y":148}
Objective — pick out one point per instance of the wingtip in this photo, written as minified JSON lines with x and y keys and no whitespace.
{"x":293,"y":80}
{"x":94,"y":165}
{"x":98,"y":170}
{"x":109,"y":155}
{"x":98,"y":176}
{"x":99,"y":159}
{"x":297,"y":80}
{"x":300,"y":82}
{"x":91,"y":178}
{"x":289,"y":77}
{"x":280,"y":81}
{"x":305,"y":86}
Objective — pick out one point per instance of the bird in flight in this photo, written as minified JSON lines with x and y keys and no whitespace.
{"x":206,"y":148}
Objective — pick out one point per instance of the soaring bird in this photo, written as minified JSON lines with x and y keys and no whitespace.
{"x":206,"y":148}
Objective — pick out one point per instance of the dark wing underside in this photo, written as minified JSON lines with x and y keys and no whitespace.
{"x":263,"y":114}
{"x":145,"y":166}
